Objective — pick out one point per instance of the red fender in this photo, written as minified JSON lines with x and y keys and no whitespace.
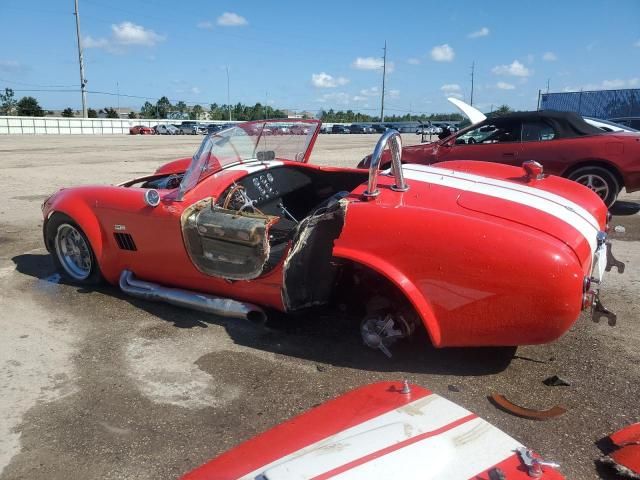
{"x":406,"y":286}
{"x":76,"y":208}
{"x":176,"y":166}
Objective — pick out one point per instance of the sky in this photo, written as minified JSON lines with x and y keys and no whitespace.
{"x":303,"y":55}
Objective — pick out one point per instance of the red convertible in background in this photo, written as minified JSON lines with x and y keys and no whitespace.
{"x":141,"y":130}
{"x":474,"y":253}
{"x":563,"y":142}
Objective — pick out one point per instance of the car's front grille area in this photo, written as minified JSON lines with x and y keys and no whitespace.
{"x":125,"y":241}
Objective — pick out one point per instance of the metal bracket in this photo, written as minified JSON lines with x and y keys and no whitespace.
{"x":534,"y":465}
{"x":599,"y":310}
{"x":612,"y":261}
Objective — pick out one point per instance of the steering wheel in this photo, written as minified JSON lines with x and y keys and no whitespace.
{"x":237,"y":199}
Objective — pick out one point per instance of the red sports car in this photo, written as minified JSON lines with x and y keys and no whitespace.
{"x":474,"y":253}
{"x":563,"y":142}
{"x":387,"y":430}
{"x":141,"y":130}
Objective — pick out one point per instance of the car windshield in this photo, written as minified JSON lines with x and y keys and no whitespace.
{"x":260,"y":140}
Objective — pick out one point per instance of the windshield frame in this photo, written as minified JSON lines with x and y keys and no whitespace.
{"x":200,"y":166}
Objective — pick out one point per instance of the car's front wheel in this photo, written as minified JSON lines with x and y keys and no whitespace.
{"x":72,"y":253}
{"x":599,"y":179}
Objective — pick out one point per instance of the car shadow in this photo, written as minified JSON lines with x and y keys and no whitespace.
{"x":322,"y":336}
{"x":623,"y":207}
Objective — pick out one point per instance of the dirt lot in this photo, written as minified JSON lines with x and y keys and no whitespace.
{"x":94,"y":384}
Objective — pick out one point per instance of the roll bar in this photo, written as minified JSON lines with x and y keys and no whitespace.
{"x":393,"y":138}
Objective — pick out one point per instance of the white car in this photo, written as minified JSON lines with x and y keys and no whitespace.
{"x":163,"y":129}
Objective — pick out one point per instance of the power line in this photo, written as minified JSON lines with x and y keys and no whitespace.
{"x":37,"y":85}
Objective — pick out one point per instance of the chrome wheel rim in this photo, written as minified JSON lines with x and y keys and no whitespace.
{"x":595,"y":183}
{"x":73,"y":252}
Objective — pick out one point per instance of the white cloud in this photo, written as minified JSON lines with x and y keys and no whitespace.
{"x":515,"y":69}
{"x":442,"y":53}
{"x":450,"y":87}
{"x":90,"y":42}
{"x":456,"y":95}
{"x":340,"y":98}
{"x":205,"y":24}
{"x":549,"y":57}
{"x":230,"y":19}
{"x":370,"y":92}
{"x":637,"y":44}
{"x":127,"y":33}
{"x":122,"y":35}
{"x":606,"y":84}
{"x":371,"y":63}
{"x":12,"y":66}
{"x":324,"y":80}
{"x":195,"y":90}
{"x":414,"y":61}
{"x":617,"y":83}
{"x":393,"y":93}
{"x":505,"y":86}
{"x":483,"y":32}
{"x":359,"y":98}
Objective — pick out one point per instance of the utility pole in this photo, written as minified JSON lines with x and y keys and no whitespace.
{"x":548,"y":80}
{"x":118,"y":91}
{"x":473,"y":68}
{"x":384,"y":73}
{"x":83,"y":82}
{"x":228,"y":95}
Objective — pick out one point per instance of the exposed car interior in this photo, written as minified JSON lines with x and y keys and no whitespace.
{"x":246,"y":231}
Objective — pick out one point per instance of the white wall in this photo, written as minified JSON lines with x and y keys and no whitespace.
{"x":71,"y":126}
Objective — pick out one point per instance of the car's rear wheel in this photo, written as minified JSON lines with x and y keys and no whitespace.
{"x":71,"y":250}
{"x":599,"y":179}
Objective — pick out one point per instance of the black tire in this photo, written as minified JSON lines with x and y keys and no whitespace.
{"x":55,"y":224}
{"x":599,"y":179}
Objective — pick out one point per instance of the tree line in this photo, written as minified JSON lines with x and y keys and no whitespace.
{"x":350,"y":116}
{"x":163,"y":109}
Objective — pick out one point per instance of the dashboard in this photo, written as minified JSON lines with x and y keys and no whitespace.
{"x":270,"y":186}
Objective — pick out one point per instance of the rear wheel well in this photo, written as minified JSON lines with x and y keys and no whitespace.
{"x":596,"y":163}
{"x":361,"y":290}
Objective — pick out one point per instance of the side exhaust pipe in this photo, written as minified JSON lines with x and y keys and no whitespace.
{"x":224,"y":307}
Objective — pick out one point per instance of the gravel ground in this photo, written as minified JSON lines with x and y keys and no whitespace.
{"x":95,"y":384}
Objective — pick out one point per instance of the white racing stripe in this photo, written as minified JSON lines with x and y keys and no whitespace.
{"x":458,"y":454}
{"x":561,"y":208}
{"x":513,"y":186}
{"x":473,"y":439}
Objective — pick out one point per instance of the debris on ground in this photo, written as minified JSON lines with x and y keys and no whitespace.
{"x":501,"y":402}
{"x":625,"y":457}
{"x":556,"y":381}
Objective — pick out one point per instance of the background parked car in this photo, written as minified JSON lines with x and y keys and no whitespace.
{"x":426,"y":129}
{"x":340,"y":129}
{"x":192,"y":128}
{"x":141,"y":130}
{"x":163,"y":129}
{"x":563,"y":142}
{"x":378,"y":128}
{"x":356,"y":128}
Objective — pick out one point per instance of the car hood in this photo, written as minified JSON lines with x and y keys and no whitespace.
{"x":377,"y":431}
{"x":558,"y":207}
